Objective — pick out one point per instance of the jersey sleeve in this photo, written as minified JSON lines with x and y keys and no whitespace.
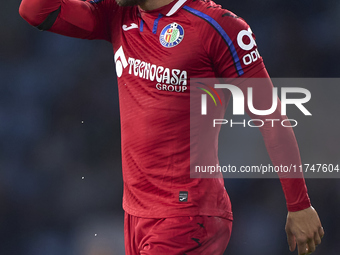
{"x":231,"y":46}
{"x":74,"y":18}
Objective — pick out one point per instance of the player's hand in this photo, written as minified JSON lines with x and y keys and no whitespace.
{"x":304,"y":229}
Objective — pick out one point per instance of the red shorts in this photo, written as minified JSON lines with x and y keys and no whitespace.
{"x":176,"y":236}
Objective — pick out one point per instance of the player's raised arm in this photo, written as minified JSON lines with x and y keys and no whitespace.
{"x":75,"y":18}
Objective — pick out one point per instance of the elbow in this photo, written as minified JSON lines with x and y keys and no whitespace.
{"x":27,"y":12}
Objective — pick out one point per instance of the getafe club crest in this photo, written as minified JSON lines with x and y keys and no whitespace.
{"x":171,"y":35}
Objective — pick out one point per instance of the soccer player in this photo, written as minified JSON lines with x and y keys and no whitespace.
{"x":159,"y":45}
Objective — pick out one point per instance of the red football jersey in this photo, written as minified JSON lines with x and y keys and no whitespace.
{"x":156,"y":53}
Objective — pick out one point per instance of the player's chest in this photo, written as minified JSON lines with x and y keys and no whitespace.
{"x":159,"y":49}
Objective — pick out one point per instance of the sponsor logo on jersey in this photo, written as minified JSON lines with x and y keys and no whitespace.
{"x":166,"y":79}
{"x":171,"y":35}
{"x":247,"y":43}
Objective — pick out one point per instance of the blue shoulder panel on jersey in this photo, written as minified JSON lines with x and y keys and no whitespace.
{"x":141,"y":25}
{"x":95,"y":1}
{"x":155,"y":24}
{"x":222,"y":33}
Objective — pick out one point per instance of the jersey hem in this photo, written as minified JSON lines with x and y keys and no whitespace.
{"x":179,"y":213}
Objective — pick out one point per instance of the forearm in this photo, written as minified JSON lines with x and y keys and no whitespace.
{"x":283,"y":150}
{"x":280,"y":141}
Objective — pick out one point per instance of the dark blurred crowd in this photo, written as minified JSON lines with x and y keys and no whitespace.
{"x":60,"y":161}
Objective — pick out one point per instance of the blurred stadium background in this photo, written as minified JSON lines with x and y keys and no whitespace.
{"x":59,"y":122}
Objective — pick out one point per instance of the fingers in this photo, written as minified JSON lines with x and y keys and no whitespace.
{"x":291,"y":241}
{"x":304,"y":230}
{"x":302,"y":248}
{"x":317,"y":239}
{"x":307,"y":246}
{"x":321,"y":232}
{"x":311,"y":246}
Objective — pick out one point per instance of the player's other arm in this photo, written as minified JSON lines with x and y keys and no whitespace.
{"x":75,"y":18}
{"x":303,"y":226}
{"x":234,"y":54}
